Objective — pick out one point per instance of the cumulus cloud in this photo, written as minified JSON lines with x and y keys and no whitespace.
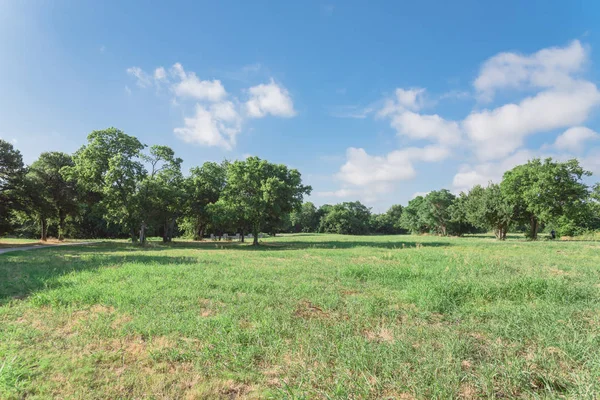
{"x":191,"y":86}
{"x":218,"y":117}
{"x":481,"y":174}
{"x":549,"y":93}
{"x":573,"y":139}
{"x":550,"y":67}
{"x":408,"y":123}
{"x":270,"y":99}
{"x":498,"y":132}
{"x":363,"y":169}
{"x":216,"y":125}
{"x":429,"y":127}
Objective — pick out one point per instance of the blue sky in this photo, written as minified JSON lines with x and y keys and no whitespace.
{"x":371,"y":101}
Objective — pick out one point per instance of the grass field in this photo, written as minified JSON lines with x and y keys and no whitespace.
{"x":304,"y":316}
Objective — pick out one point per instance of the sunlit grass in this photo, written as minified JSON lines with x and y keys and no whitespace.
{"x":303,"y":316}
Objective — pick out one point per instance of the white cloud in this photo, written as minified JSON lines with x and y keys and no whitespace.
{"x":142,"y":79}
{"x":407,"y":122}
{"x":190,"y":86}
{"x":430,"y":127}
{"x":548,"y":68}
{"x":217,"y":125}
{"x":160,"y":74}
{"x":591,"y":162}
{"x":497,"y":133}
{"x":573,"y":139}
{"x":217,"y":118}
{"x":362,"y":169}
{"x":481,"y":174}
{"x":405,"y":99}
{"x":269,"y":99}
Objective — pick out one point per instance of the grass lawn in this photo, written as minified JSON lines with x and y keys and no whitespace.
{"x":304,"y":316}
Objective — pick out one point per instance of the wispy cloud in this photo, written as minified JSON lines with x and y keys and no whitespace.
{"x":350,"y":111}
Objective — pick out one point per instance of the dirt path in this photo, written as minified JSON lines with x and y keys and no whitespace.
{"x":42,"y":246}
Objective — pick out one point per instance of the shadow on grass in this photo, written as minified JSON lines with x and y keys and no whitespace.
{"x":290,"y":245}
{"x":24,"y":273}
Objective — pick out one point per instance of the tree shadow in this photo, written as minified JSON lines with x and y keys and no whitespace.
{"x":294,"y":245}
{"x":24,"y":273}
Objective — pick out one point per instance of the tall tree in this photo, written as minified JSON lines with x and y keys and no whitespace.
{"x":305,"y":219}
{"x":12,"y":174}
{"x":488,"y":208}
{"x":411,"y":218}
{"x":349,"y":218}
{"x":110,"y":165}
{"x":263,"y":192}
{"x":160,"y":191}
{"x":435,"y":211}
{"x":202,"y":187}
{"x":543,"y":191}
{"x":61,"y":193}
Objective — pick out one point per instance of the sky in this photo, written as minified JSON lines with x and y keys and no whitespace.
{"x":370,"y":101}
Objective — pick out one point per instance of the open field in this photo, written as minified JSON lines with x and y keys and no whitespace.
{"x":305,"y":316}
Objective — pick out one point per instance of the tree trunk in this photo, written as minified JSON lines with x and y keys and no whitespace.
{"x":165,"y":231}
{"x":44,"y":224}
{"x":132,"y":233}
{"x":143,"y":234}
{"x":255,"y":235}
{"x":61,"y":227}
{"x":199,"y":232}
{"x":171,"y":228}
{"x":534,"y":228}
{"x":242,"y":236}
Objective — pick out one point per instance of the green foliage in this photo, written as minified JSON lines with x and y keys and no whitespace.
{"x":110,"y":165}
{"x":435,"y":211}
{"x":203,"y":187}
{"x":350,"y":218}
{"x":411,"y":219}
{"x":544,"y":191}
{"x":488,"y":208}
{"x":54,"y":196}
{"x":261,"y":193}
{"x":388,"y":223}
{"x":12,"y":173}
{"x":306,"y":219}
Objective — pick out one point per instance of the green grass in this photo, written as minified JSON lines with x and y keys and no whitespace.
{"x":304,"y":316}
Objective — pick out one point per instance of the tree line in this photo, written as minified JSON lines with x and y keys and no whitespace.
{"x":541,"y":194}
{"x":115,"y":186}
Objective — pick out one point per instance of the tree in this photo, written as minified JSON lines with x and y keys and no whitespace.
{"x":110,"y":166}
{"x":202,"y":188}
{"x":460,"y":223}
{"x":349,"y":218}
{"x":306,"y":219}
{"x":488,"y":208}
{"x":435,"y":211}
{"x":54,"y":188}
{"x":395,"y":215}
{"x":12,"y":174}
{"x":411,"y":218}
{"x":262,"y":192}
{"x":543,"y":191}
{"x":160,"y":191}
{"x":37,"y":202}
